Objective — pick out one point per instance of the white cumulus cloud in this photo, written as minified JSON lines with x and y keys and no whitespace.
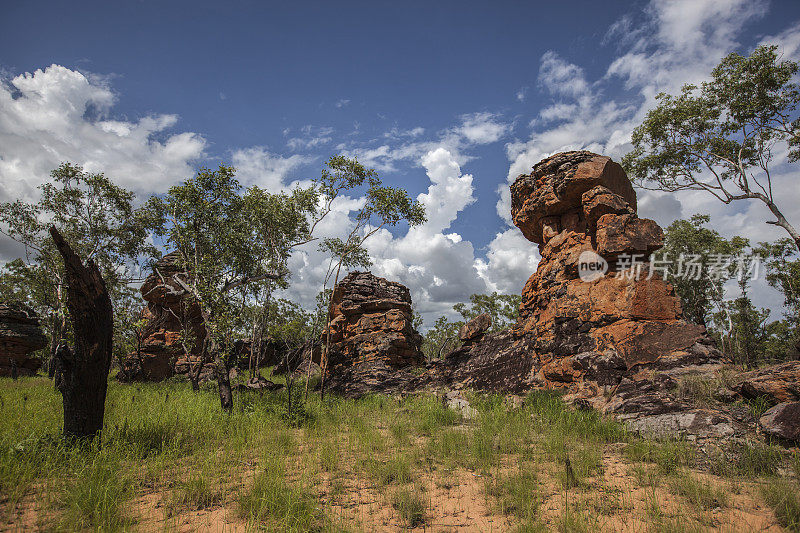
{"x":58,"y":114}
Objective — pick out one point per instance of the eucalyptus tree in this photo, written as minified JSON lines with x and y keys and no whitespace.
{"x":441,"y":338}
{"x":723,"y":136}
{"x":231,"y":246}
{"x":700,"y":287}
{"x":96,"y":218}
{"x":383,"y":207}
{"x":782,"y":264}
{"x":503,"y":308}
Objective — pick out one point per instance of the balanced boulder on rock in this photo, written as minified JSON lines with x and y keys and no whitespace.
{"x":610,"y":336}
{"x":475,"y":328}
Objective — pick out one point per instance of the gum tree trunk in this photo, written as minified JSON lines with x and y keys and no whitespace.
{"x":82,"y":372}
{"x":223,"y":377}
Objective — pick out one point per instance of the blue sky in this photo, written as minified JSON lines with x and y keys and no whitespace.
{"x":447,"y":99}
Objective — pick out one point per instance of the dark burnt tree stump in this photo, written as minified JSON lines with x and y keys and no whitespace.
{"x":82,"y":372}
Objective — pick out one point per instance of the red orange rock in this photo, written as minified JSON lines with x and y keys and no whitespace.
{"x":20,"y":335}
{"x":371,"y":335}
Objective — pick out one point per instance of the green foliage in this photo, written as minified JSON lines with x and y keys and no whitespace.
{"x":233,"y":250}
{"x":411,"y":506}
{"x":747,"y":459}
{"x":285,"y":321}
{"x":692,"y":239}
{"x":744,"y":332}
{"x":396,"y":469}
{"x":784,"y":498}
{"x":441,"y":338}
{"x":229,"y":242}
{"x":668,"y":455}
{"x":383,"y":207}
{"x":721,"y":137}
{"x":196,"y":493}
{"x":93,"y":499}
{"x":516,"y":494}
{"x":503,"y":308}
{"x":701,"y":494}
{"x":98,"y":220}
{"x":166,"y":439}
{"x":272,"y":502}
{"x":783,"y":273}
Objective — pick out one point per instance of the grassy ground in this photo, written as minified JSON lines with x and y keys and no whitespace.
{"x":169,"y":459}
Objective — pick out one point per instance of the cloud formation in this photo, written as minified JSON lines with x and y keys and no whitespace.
{"x":668,"y":45}
{"x":57,"y":114}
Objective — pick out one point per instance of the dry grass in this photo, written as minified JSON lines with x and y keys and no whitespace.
{"x":170,"y":460}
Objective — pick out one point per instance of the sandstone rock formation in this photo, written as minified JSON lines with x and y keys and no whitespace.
{"x":174,"y":328}
{"x":614,"y":339}
{"x":169,"y":314}
{"x":613,"y":330}
{"x":20,"y":335}
{"x":373,"y":343}
{"x":775,"y":383}
{"x":782,"y":422}
{"x":475,"y":328}
{"x":551,"y":199}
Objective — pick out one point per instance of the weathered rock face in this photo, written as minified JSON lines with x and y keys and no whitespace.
{"x":633,"y":315}
{"x":776,"y":383}
{"x":497,"y":362}
{"x":372,"y":339}
{"x":782,"y":422}
{"x":615,"y":339}
{"x":550,"y":200}
{"x":168,"y":313}
{"x":20,"y":335}
{"x":475,"y":328}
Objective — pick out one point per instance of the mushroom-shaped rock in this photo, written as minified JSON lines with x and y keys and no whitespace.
{"x":551,"y":198}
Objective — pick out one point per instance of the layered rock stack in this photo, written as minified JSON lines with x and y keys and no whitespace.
{"x":372,"y":340}
{"x":604,"y":321}
{"x":168,"y":314}
{"x":612,"y":336}
{"x":20,"y":335}
{"x":174,"y":325}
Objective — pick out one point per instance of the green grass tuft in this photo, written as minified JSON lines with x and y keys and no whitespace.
{"x":784,"y":499}
{"x":273,"y":502}
{"x":94,"y":497}
{"x":411,"y":506}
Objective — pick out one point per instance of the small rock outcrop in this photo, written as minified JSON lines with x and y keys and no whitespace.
{"x":775,"y":383}
{"x":782,"y":422}
{"x":171,"y":318}
{"x":372,"y":342}
{"x":20,"y":335}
